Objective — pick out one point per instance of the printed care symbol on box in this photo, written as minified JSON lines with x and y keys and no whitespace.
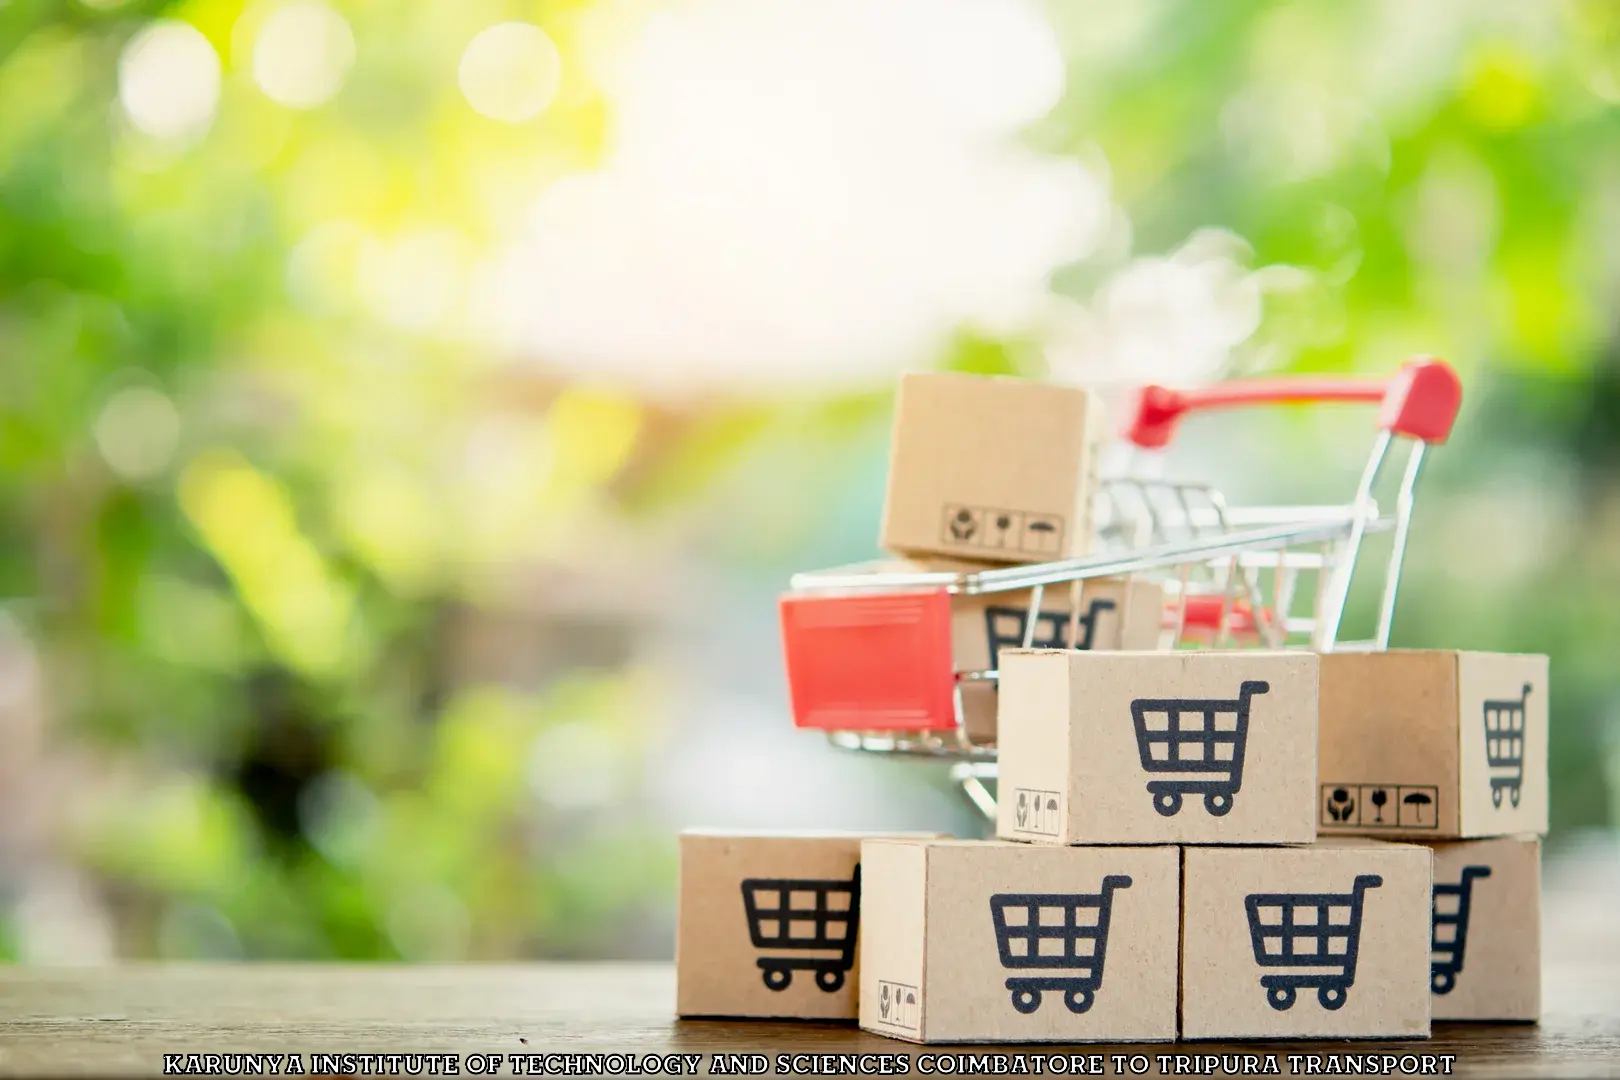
{"x":1381,"y":806}
{"x":1202,"y":740}
{"x":1504,"y":746}
{"x":995,"y":528}
{"x":1314,"y":932}
{"x":1043,"y":534}
{"x":897,"y":1004}
{"x":1449,"y":935}
{"x":1038,"y":812}
{"x":804,"y":915}
{"x":1065,"y":934}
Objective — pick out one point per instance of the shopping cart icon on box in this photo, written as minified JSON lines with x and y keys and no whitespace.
{"x":1007,"y":628}
{"x":1319,"y":933}
{"x":1504,"y":746}
{"x":804,"y":915}
{"x":1449,"y":936}
{"x":1202,"y":739}
{"x":1064,"y":933}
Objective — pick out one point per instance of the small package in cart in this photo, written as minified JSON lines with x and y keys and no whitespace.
{"x":991,"y":468}
{"x":1324,"y":941}
{"x":981,"y":941}
{"x":1433,"y":744}
{"x":767,"y":924}
{"x":1205,"y":747}
{"x":1485,"y":961}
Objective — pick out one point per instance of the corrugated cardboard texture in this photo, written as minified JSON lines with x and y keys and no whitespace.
{"x":992,"y":468}
{"x":1503,"y":724}
{"x":1226,"y":993}
{"x":1486,"y":960}
{"x":958,"y":955}
{"x":1405,"y":751}
{"x":1089,"y":753}
{"x":1389,"y":724}
{"x":717,"y":963}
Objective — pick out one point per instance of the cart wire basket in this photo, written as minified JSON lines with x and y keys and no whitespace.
{"x":1449,"y":936}
{"x":804,"y":915}
{"x":1207,"y":752}
{"x":1504,"y":746}
{"x":1318,"y":934}
{"x":869,"y":654}
{"x":1065,"y":934}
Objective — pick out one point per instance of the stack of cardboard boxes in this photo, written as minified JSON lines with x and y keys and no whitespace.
{"x":1157,"y":872}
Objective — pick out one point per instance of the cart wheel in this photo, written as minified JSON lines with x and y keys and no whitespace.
{"x":1496,"y":796}
{"x":1442,"y":982}
{"x":1026,"y":1001}
{"x":1331,"y":997}
{"x":777,"y":978}
{"x":1218,"y":803}
{"x":1078,"y":1001}
{"x":1167,"y":803}
{"x":1281,"y":998}
{"x":829,"y":979}
{"x":1513,"y":793}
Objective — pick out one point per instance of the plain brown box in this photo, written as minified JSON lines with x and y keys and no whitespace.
{"x":932,"y":962}
{"x":1405,"y":752}
{"x":1487,"y":930}
{"x":717,"y":964}
{"x":991,"y":467}
{"x":1223,"y":994}
{"x":1070,"y":762}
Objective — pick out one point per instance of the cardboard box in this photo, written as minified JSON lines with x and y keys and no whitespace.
{"x":1157,"y":747}
{"x":1433,"y":744}
{"x":734,"y":953}
{"x":1485,"y":962}
{"x":993,"y":468}
{"x":971,"y":940}
{"x":1325,"y":941}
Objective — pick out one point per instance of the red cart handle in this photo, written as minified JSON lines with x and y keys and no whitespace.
{"x":1420,"y":401}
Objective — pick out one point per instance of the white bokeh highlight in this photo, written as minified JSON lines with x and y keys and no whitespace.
{"x":169,"y":80}
{"x":302,"y":54}
{"x":803,"y":193}
{"x":510,"y":72}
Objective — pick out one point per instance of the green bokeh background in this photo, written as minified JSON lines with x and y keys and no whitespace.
{"x":300,"y":689}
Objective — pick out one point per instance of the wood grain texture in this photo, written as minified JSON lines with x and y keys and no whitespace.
{"x":120,"y":1021}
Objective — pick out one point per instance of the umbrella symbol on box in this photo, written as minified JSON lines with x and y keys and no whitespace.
{"x":1417,"y":800}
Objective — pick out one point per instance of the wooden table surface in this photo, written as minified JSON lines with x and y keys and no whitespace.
{"x":121,"y":1021}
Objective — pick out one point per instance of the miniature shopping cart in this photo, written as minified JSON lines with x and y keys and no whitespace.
{"x":1064,"y":934}
{"x":1504,"y":746}
{"x":804,"y":915}
{"x":1449,"y":936}
{"x":1317,"y":933}
{"x":1206,"y":752}
{"x":869,"y":655}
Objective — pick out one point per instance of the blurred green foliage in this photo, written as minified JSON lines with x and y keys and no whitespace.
{"x":231,"y":538}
